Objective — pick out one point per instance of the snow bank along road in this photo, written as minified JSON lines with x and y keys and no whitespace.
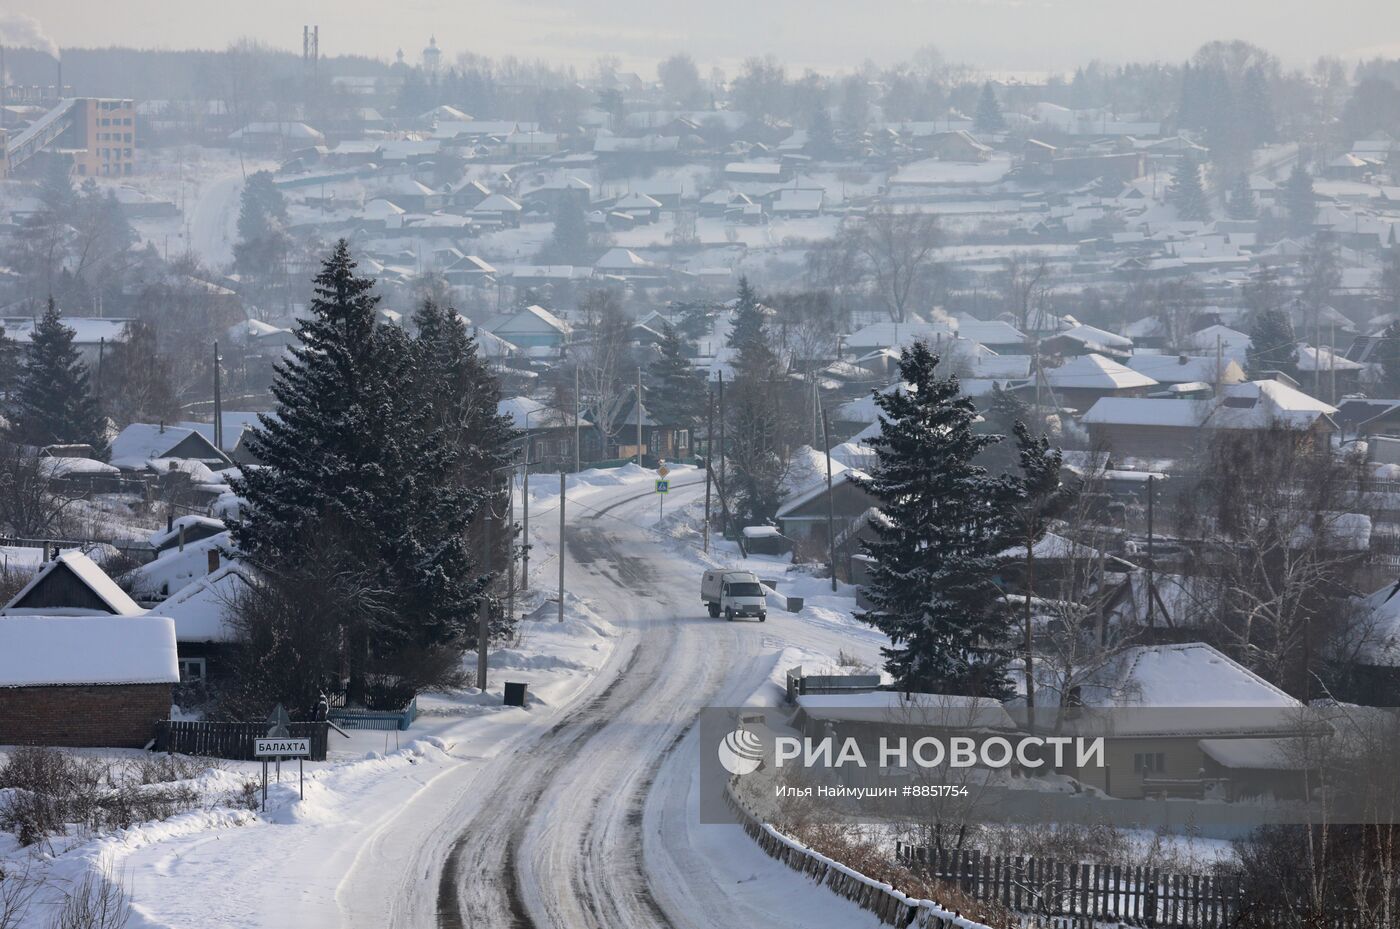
{"x":593,"y":822}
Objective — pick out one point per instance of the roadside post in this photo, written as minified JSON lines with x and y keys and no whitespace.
{"x":278,"y":745}
{"x":663,"y":487}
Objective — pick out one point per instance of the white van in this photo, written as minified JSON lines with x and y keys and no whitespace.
{"x":734,"y":593}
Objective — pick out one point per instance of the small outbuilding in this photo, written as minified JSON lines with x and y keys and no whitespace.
{"x":85,"y":681}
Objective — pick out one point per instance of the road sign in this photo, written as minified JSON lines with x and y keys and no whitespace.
{"x":662,"y":471}
{"x":278,"y":722}
{"x":281,"y":748}
{"x":663,"y":487}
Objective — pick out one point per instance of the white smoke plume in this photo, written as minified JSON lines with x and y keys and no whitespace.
{"x":22,"y":31}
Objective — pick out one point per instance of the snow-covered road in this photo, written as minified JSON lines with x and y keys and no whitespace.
{"x":581,"y":811}
{"x":595,"y":824}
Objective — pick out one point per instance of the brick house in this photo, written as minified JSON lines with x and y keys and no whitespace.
{"x":85,"y":681}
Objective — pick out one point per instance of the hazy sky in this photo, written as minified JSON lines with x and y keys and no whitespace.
{"x":1026,"y":35}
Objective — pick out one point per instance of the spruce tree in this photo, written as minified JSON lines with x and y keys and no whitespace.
{"x":1389,"y":351}
{"x":1299,"y":202}
{"x":568,"y":243}
{"x":1187,"y":193}
{"x":1242,"y":205}
{"x":677,"y":388}
{"x":1272,"y":344}
{"x":1004,"y":410}
{"x":989,"y":117}
{"x":936,"y":549}
{"x":356,"y":457}
{"x":53,"y":400}
{"x":754,"y":415}
{"x":1258,"y":108}
{"x":11,"y":360}
{"x":748,"y":317}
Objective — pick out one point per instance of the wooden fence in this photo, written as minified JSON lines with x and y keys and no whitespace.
{"x":889,"y":905}
{"x":1140,"y":896}
{"x":388,"y":720}
{"x":233,"y":741}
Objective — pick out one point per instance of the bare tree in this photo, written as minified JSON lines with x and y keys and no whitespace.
{"x":34,"y":497}
{"x":896,"y":248}
{"x":1025,"y":288}
{"x":603,"y":357}
{"x":1282,"y":523}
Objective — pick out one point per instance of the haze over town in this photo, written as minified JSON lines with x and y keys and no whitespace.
{"x":496,"y":466}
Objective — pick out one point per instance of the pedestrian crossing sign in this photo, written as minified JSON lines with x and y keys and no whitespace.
{"x":663,"y":487}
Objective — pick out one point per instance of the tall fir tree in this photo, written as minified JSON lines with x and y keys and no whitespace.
{"x":1004,"y":410}
{"x":989,"y":117}
{"x":677,"y":389}
{"x":568,"y":242}
{"x":1257,"y":108}
{"x":945,"y":523}
{"x":1187,"y":193}
{"x":1242,"y":204}
{"x":1299,"y":202}
{"x":357,"y":455}
{"x":748,"y":317}
{"x":11,"y":362}
{"x":53,"y":400}
{"x":472,"y":443}
{"x":1389,"y":351}
{"x":1272,"y":344}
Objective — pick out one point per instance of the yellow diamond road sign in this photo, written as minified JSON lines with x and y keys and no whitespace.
{"x":662,"y":471}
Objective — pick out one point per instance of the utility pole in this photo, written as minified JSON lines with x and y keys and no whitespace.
{"x":577,"y":453}
{"x":510,"y":545}
{"x":709,"y":456}
{"x":830,"y":505}
{"x":1151,"y":581}
{"x":101,"y":350}
{"x":483,"y":610}
{"x":218,"y":403}
{"x":724,"y":516}
{"x":561,"y":546}
{"x":639,"y":416}
{"x":525,"y":505}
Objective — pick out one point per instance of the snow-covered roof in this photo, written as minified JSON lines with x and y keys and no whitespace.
{"x":138,"y":443}
{"x":540,"y":416}
{"x":174,"y":568}
{"x":637,"y":201}
{"x":184,"y":524}
{"x":1324,"y":360}
{"x":1095,"y":372}
{"x":815,"y":489}
{"x":938,"y":711}
{"x":1145,"y":411}
{"x":888,"y":335}
{"x":1185,"y":369}
{"x":89,"y":574}
{"x":38,"y":651}
{"x":201,"y":609}
{"x":1260,"y":404}
{"x":532,"y":319}
{"x":989,"y":331}
{"x":1188,"y":674}
{"x":622,"y":259}
{"x":1092,"y":335}
{"x":497,"y":203}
